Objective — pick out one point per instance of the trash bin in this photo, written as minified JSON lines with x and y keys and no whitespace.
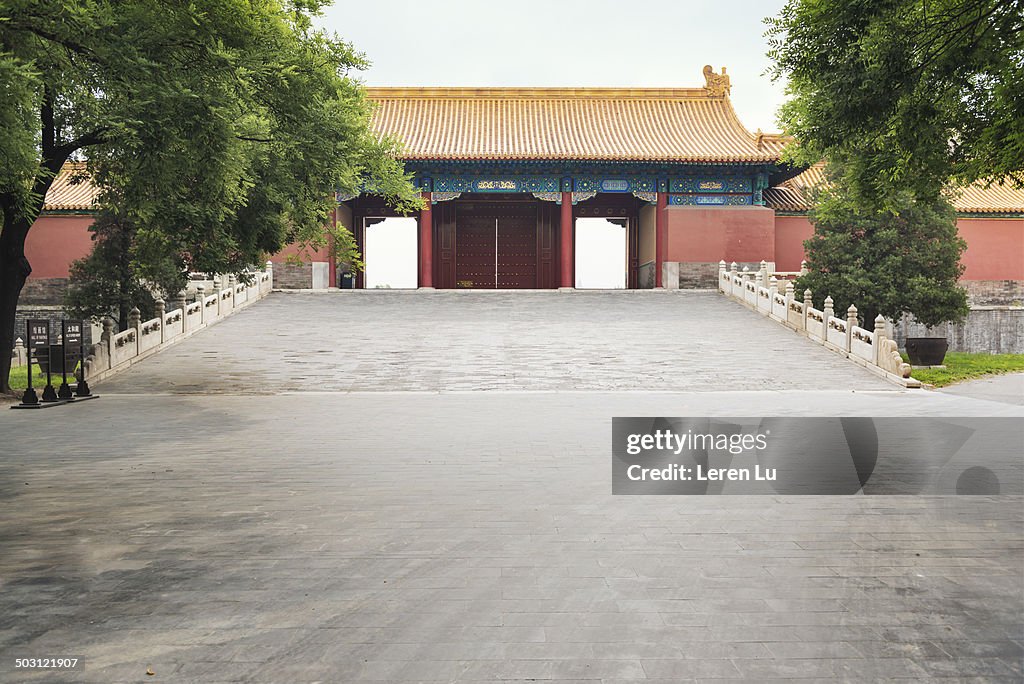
{"x":347,"y":281}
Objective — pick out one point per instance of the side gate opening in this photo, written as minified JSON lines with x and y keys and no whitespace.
{"x":389,"y":251}
{"x":602,"y":253}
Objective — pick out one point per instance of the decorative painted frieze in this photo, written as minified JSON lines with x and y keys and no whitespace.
{"x":709,"y":200}
{"x":704,"y":185}
{"x":504,"y":184}
{"x":613,"y":184}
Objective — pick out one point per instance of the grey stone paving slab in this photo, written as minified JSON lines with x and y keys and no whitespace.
{"x":461,"y":341}
{"x":417,"y":536}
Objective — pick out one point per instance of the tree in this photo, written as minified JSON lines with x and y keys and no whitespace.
{"x":887,"y":261}
{"x":904,"y":93}
{"x":220,"y":129}
{"x":107,"y":283}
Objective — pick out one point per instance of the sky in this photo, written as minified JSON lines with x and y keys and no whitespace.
{"x":566,"y":43}
{"x":571,"y":43}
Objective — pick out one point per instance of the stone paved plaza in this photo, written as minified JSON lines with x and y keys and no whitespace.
{"x":389,"y":522}
{"x":369,"y":341}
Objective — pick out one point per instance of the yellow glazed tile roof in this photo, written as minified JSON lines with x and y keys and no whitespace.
{"x":974,"y":199}
{"x":614,"y":124}
{"x":995,"y":198}
{"x":71,"y":190}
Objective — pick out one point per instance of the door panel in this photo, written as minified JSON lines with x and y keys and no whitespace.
{"x":517,"y":252}
{"x":474,"y":251}
{"x":496,"y":245}
{"x":547,"y":245}
{"x":444,"y":252}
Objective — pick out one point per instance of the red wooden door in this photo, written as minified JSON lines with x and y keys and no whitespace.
{"x":517,"y":252}
{"x":475,"y":250}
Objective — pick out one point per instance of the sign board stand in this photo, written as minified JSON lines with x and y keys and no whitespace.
{"x":71,"y":354}
{"x":37,"y":331}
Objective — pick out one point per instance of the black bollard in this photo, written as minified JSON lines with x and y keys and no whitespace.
{"x":82,"y":389}
{"x":64,"y":392}
{"x":29,"y":398}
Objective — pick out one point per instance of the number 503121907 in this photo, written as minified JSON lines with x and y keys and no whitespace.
{"x":67,"y":663}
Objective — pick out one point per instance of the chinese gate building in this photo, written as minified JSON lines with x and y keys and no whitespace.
{"x":506,"y":173}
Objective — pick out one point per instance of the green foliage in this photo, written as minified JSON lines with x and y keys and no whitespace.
{"x":121,"y":272}
{"x":961,"y":366}
{"x":904,"y":93}
{"x":220,"y":129}
{"x":341,"y":248}
{"x":885,"y":261}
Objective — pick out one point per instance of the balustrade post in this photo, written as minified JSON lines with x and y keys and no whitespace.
{"x":217,"y":286}
{"x":179,"y":303}
{"x":851,"y":322}
{"x":19,"y":352}
{"x":807,"y":305}
{"x":161,"y":314}
{"x":880,"y":338}
{"x":200,"y":297}
{"x":108,"y":339}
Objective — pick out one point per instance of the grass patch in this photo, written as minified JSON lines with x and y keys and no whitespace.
{"x":19,"y":378}
{"x":961,"y":366}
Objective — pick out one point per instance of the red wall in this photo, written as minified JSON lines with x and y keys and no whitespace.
{"x":790,"y":233}
{"x":995,"y":248}
{"x":54,"y":242}
{"x":699,"y":234}
{"x":322,"y":254}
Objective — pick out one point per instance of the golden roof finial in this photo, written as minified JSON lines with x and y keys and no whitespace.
{"x":717,"y":85}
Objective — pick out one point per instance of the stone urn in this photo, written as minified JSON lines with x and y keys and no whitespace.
{"x":926,"y":351}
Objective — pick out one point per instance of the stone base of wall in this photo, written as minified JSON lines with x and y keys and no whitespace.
{"x":988,"y":329}
{"x":293,"y":276}
{"x":313,"y":274}
{"x":994,"y":292}
{"x":694,"y":275}
{"x":43,"y":291}
{"x":645,"y":276}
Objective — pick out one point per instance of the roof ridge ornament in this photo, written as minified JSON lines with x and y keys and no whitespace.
{"x":717,"y":85}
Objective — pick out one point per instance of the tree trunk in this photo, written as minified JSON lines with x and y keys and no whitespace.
{"x":14,"y":266}
{"x":14,"y":270}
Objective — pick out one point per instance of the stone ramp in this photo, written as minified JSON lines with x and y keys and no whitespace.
{"x":449,"y":341}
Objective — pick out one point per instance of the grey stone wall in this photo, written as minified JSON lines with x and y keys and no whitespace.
{"x":293,"y":276}
{"x":995,"y":292}
{"x":990,"y":329}
{"x":695,"y":274}
{"x":645,"y":276}
{"x":43,"y":291}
